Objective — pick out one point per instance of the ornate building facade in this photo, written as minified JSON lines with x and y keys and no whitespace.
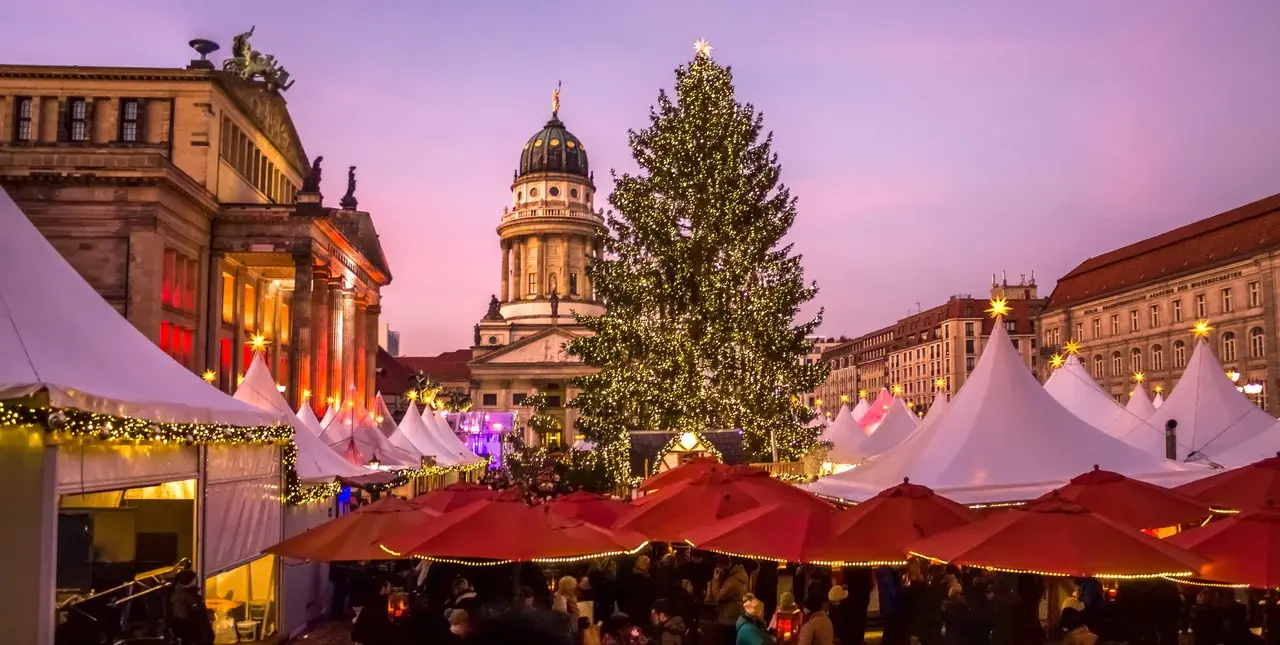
{"x":1132,"y":309}
{"x":548,"y":235}
{"x":186,"y":198}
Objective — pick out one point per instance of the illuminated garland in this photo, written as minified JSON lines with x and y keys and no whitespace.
{"x":1106,"y":576}
{"x":494,"y":563}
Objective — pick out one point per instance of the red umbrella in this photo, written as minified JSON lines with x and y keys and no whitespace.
{"x":505,"y":529}
{"x":691,"y":469}
{"x":877,"y":531}
{"x":1247,"y":487}
{"x":766,"y":489}
{"x":348,"y":537}
{"x":771,"y":532}
{"x":1136,"y":503}
{"x":589,"y":507}
{"x":1053,"y":536}
{"x":1243,"y":549}
{"x":452,"y":497}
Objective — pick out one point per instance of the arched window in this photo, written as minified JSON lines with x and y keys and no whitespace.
{"x":1117,"y":364}
{"x":1257,"y":344}
{"x":1135,"y":360}
{"x":1228,"y":346}
{"x":1097,"y":366}
{"x":1179,"y":354}
{"x":1157,"y":357}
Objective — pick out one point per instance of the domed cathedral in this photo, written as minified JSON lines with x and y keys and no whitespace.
{"x":549,"y":234}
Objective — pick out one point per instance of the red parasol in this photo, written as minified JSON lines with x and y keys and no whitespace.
{"x":671,"y":512}
{"x":589,"y":507}
{"x":1053,"y":536}
{"x":505,"y":529}
{"x":1243,"y":548}
{"x":347,"y":537}
{"x":772,"y":532}
{"x":877,"y":531}
{"x":1136,"y":503}
{"x":1244,"y":488}
{"x":691,"y":469}
{"x":453,"y":497}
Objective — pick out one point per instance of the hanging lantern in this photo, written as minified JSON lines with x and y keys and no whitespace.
{"x":397,"y":604}
{"x":787,"y":625}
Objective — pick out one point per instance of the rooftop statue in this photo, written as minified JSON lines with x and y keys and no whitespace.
{"x":249,"y":64}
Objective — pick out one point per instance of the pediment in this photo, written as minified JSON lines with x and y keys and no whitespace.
{"x":547,"y":346}
{"x":270,"y":113}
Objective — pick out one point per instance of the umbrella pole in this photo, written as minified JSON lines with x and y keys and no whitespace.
{"x":1268,"y":602}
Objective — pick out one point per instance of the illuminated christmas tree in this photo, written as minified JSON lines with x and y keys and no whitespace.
{"x":702,"y":293}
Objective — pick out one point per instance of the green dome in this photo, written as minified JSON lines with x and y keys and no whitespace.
{"x":554,"y":149}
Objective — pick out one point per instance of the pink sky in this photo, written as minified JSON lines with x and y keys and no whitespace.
{"x":930,"y":144}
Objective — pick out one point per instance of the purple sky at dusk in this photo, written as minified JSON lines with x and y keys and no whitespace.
{"x":930,"y":144}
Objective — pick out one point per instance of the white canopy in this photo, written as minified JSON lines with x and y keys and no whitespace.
{"x":940,"y":403}
{"x":1158,"y":401}
{"x":329,"y":415}
{"x":1261,"y":446}
{"x":845,"y":435}
{"x":860,"y":410}
{"x":444,"y":434}
{"x":387,"y":426}
{"x":1073,"y":387}
{"x":898,"y":424}
{"x":356,"y":425}
{"x":414,"y":435}
{"x":1002,"y":438}
{"x":308,"y":417}
{"x":57,"y":334}
{"x":315,"y":461}
{"x":1139,"y":405}
{"x":1212,"y":415}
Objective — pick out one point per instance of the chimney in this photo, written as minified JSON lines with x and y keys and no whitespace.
{"x":1171,"y":439}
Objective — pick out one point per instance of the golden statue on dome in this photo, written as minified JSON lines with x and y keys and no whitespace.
{"x":555,"y":102}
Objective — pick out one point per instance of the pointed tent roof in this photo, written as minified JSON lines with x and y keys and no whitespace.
{"x":896,"y":426}
{"x":387,"y":426}
{"x":860,"y":410}
{"x":315,"y":461}
{"x":1002,"y":438}
{"x":1139,"y":404}
{"x":414,"y":435}
{"x":308,"y":418}
{"x":1158,"y":401}
{"x":876,"y":410}
{"x":1136,"y":413}
{"x":57,"y":334}
{"x":845,"y":436}
{"x":1073,"y":387}
{"x":445,"y":436}
{"x":356,"y":425}
{"x":329,"y":414}
{"x":1212,"y":415}
{"x":940,"y":403}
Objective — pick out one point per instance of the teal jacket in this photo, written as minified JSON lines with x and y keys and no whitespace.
{"x":751,"y":631}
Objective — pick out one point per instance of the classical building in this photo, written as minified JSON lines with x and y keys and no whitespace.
{"x":1132,"y":309}
{"x":186,"y":198}
{"x":548,"y":235}
{"x":854,"y":366}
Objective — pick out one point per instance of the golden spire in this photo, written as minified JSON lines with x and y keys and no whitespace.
{"x":1057,"y":361}
{"x":1201,"y":329}
{"x":555,"y":102}
{"x":701,"y":48}
{"x":999,"y":307}
{"x":1072,"y":347}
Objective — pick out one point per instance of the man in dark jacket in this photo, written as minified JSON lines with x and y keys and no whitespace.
{"x":189,"y":621}
{"x":670,"y":627}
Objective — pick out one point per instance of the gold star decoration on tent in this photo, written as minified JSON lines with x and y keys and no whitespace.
{"x":896,"y":389}
{"x":1139,"y":377}
{"x":940,"y":383}
{"x":1057,"y":361}
{"x":999,"y":307}
{"x":1072,"y":347}
{"x":1201,"y":329}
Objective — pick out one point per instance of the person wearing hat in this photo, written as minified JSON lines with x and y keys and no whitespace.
{"x":840,"y":610}
{"x":817,"y":628}
{"x":751,"y":629}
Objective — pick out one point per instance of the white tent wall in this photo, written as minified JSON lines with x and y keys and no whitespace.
{"x":91,"y":467}
{"x":28,"y":560}
{"x":306,"y":591}
{"x":243,"y":487}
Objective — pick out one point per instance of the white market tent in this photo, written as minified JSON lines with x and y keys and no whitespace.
{"x":1140,"y":405}
{"x":309,"y":420}
{"x":329,"y":415}
{"x":845,"y":435}
{"x":940,"y":403}
{"x":414,"y":435}
{"x":386,"y":424}
{"x":1072,"y":386}
{"x":444,"y":435}
{"x":315,"y":461}
{"x":1002,"y":438}
{"x":60,"y":338}
{"x":860,"y":410}
{"x":898,"y":424}
{"x":1260,"y":446}
{"x":876,"y":411}
{"x":1212,"y":416}
{"x":1158,"y":401}
{"x":356,"y":426}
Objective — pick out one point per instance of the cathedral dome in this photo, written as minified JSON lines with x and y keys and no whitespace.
{"x":554,"y":149}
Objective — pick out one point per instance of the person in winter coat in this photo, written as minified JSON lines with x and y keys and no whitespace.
{"x":372,"y":625}
{"x":1075,"y":632}
{"x":750,"y":628}
{"x":188,"y":618}
{"x":841,"y":613}
{"x":897,"y":626}
{"x":817,"y":628}
{"x":728,"y":587}
{"x":635,"y":592}
{"x":671,"y":629}
{"x":565,"y":602}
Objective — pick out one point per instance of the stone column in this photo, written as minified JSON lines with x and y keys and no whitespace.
{"x":238,"y":339}
{"x":359,"y":352}
{"x":300,"y":332}
{"x":320,"y":324}
{"x":211,"y":322}
{"x":336,"y":347}
{"x":505,"y":293}
{"x":349,"y":347}
{"x":517,"y":269}
{"x":543,"y":286}
{"x":562,"y":277}
{"x":371,"y":347}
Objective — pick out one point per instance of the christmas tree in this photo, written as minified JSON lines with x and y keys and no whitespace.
{"x":701,"y":290}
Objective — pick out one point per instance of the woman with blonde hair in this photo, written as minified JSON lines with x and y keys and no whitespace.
{"x":750,"y":628}
{"x":566,"y":601}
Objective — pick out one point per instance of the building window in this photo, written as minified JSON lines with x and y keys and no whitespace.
{"x":285,"y":332}
{"x":1135,"y":360}
{"x":1157,"y":357}
{"x":1117,"y":364}
{"x":968,"y":365}
{"x":1097,"y":328}
{"x":533,"y":284}
{"x":573,"y":284}
{"x":23,"y":116}
{"x":968,"y":330}
{"x":1155,"y":316}
{"x":1133,"y":320}
{"x":968,"y":311}
{"x":1179,"y":354}
{"x":250,"y":307}
{"x":1177,"y":311}
{"x":1228,"y":346}
{"x":131,"y":120}
{"x":1115,"y":324}
{"x":1255,"y":294}
{"x":178,"y":281}
{"x":1079,"y":331}
{"x":77,"y":119}
{"x":1097,"y":366}
{"x":1202,"y":310}
{"x":228,"y":298}
{"x":1226,"y":299}
{"x":517,"y":399}
{"x":489,"y":398}
{"x":968,"y":347}
{"x":1257,"y":343}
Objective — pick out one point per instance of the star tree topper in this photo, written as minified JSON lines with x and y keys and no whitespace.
{"x":702,"y":48}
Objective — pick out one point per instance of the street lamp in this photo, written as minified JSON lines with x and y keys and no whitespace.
{"x":374,"y":463}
